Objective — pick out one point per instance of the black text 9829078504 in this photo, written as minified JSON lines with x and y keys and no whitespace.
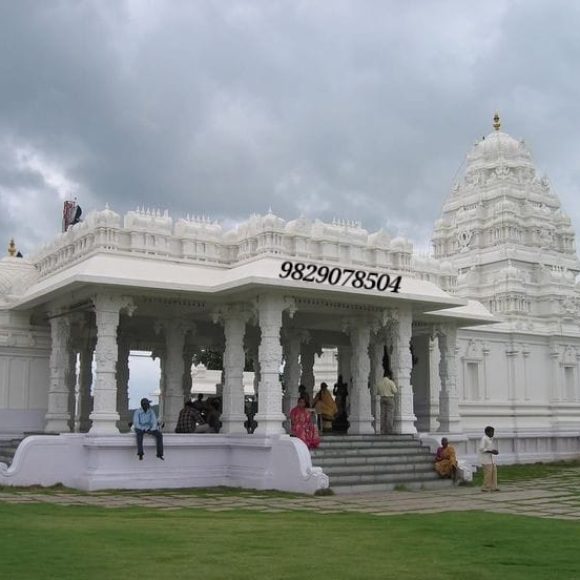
{"x":336,"y":276}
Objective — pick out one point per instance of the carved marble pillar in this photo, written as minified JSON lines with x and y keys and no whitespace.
{"x":344,"y":357}
{"x":187,"y":380}
{"x":434,"y":383}
{"x":307,"y":354}
{"x":449,"y":418}
{"x":174,"y":370}
{"x":161,"y":354}
{"x":58,"y":416}
{"x":270,"y":417}
{"x":85,"y":404}
{"x":377,"y":374}
{"x":233,"y":409}
{"x":71,"y":383}
{"x":293,"y":371}
{"x":123,"y":384}
{"x":107,"y":312}
{"x":360,"y":417}
{"x":401,"y":331}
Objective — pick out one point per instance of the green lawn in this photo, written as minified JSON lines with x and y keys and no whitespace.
{"x":528,"y":471}
{"x":43,"y":541}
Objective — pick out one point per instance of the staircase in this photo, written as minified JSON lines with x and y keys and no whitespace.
{"x":362,"y":463}
{"x":8,"y":449}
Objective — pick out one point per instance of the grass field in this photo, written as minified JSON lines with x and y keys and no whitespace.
{"x":39,"y":541}
{"x":524,"y":472}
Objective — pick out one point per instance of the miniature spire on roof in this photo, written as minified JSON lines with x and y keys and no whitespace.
{"x":12,"y":248}
{"x":496,"y":122}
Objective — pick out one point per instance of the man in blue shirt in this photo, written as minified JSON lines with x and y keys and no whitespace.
{"x":145,"y":421}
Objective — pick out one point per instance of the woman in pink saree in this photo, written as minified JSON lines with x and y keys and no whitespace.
{"x":302,"y":426}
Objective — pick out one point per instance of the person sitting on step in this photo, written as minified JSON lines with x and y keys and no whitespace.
{"x":302,"y":426}
{"x":145,"y":421}
{"x":446,"y":460}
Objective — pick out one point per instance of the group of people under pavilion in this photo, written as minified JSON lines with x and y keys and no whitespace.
{"x":106,"y":327}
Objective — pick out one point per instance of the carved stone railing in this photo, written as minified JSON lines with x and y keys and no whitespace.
{"x":199,"y":240}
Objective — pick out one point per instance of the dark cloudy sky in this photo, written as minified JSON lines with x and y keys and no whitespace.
{"x":356,"y":109}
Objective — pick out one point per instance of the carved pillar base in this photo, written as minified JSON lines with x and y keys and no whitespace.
{"x":449,"y":421}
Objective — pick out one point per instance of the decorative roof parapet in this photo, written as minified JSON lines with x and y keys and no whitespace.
{"x":155,"y":235}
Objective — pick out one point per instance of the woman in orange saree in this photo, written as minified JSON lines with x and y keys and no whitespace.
{"x":302,"y":426}
{"x":446,"y":460}
{"x":325,"y":406}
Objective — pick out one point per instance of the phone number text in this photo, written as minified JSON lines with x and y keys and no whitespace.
{"x":336,"y":276}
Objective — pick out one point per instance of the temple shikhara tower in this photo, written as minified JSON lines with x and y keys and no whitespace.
{"x":503,"y":231}
{"x":484,"y":331}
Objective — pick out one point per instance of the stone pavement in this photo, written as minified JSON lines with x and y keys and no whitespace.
{"x":556,"y":496}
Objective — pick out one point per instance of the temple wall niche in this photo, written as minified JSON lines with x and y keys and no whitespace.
{"x":24,"y":383}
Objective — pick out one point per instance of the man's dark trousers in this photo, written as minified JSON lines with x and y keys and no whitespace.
{"x":158,"y":438}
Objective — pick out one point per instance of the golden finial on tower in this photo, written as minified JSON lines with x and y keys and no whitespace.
{"x":12,"y":248}
{"x":496,"y":122}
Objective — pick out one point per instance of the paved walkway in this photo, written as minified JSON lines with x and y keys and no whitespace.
{"x":557,"y":496}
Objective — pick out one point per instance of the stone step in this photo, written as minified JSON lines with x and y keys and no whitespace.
{"x":357,"y":463}
{"x":356,"y":460}
{"x":380,"y":487}
{"x":8,"y":448}
{"x":371,"y":452}
{"x":369,"y":445}
{"x":402,"y":477}
{"x":330,"y":437}
{"x":411,"y":469}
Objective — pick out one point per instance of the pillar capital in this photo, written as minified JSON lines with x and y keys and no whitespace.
{"x":240,"y":310}
{"x":111,"y":302}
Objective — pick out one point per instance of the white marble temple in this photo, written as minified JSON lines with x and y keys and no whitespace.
{"x":484,"y":331}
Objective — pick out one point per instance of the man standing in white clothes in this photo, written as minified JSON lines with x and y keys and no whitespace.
{"x":386,"y":390}
{"x":487,"y":452}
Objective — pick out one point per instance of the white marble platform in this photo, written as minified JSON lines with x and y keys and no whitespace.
{"x":92,"y":462}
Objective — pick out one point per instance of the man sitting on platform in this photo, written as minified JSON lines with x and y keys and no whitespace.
{"x":145,"y":421}
{"x":191,"y":420}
